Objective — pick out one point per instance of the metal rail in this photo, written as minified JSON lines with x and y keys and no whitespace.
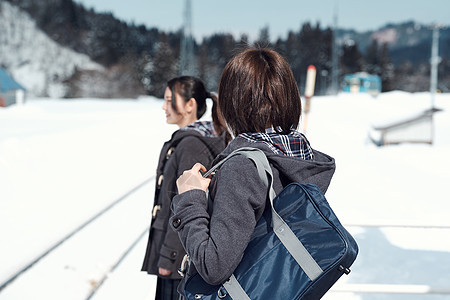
{"x":122,"y":257}
{"x":75,"y":231}
{"x":338,"y":288}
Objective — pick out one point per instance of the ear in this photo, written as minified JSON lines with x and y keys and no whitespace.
{"x":191,"y":105}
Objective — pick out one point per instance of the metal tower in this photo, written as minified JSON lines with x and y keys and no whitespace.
{"x":187,"y":64}
{"x":335,"y":56}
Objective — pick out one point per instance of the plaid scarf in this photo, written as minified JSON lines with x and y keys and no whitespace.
{"x":292,"y":144}
{"x":206,"y":128}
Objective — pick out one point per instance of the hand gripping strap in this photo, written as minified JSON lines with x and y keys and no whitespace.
{"x":281,"y":229}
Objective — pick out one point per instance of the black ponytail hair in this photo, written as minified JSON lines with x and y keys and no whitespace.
{"x":192,"y":87}
{"x":189,"y":87}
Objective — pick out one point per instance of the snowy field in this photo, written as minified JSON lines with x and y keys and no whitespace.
{"x":63,"y":161}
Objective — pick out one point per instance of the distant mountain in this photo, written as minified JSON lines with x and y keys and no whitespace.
{"x":409,"y":41}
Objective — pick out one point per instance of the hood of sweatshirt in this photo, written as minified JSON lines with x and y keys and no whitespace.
{"x":318,"y":171}
{"x":215,"y":144}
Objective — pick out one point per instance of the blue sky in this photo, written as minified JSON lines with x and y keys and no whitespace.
{"x":249,"y":16}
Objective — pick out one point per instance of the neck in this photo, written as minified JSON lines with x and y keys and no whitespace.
{"x":186,"y":121}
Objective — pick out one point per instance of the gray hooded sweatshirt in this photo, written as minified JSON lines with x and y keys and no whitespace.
{"x":216,"y":242}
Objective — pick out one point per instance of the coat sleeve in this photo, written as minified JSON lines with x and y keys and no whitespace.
{"x":216,"y":243}
{"x":188,"y":152}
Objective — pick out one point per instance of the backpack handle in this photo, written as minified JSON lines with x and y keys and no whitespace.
{"x":259,"y":159}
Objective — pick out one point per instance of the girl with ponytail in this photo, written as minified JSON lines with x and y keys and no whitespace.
{"x":195,"y":141}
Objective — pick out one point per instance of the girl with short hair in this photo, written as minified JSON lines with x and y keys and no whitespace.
{"x":260,"y":104}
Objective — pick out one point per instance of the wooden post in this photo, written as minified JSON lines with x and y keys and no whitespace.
{"x":309,"y":92}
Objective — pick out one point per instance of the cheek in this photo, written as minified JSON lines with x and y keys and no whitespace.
{"x":172,"y":115}
{"x":174,"y":112}
{"x":170,"y":108}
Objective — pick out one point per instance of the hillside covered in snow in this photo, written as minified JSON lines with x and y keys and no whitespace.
{"x":35,"y":60}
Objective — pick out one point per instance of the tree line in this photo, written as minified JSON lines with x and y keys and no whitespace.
{"x":140,"y":60}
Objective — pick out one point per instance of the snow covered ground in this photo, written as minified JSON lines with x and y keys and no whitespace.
{"x":62,"y":161}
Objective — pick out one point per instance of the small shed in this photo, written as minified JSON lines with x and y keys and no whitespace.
{"x":362,"y":82}
{"x":11,"y":92}
{"x":415,"y":129}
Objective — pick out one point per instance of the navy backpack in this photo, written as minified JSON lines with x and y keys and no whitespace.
{"x":298,"y":249}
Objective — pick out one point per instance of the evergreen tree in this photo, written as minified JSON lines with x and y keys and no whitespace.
{"x":143,"y":68}
{"x":153,"y":55}
{"x":244,"y":42}
{"x":371,"y":59}
{"x":203,"y":68}
{"x":264,"y":38}
{"x":291,"y":50}
{"x":164,"y":67}
{"x":219,"y":48}
{"x":351,"y":59}
{"x":386,"y":69}
{"x":378,"y":62}
{"x":444,"y":75}
{"x":315,"y":49}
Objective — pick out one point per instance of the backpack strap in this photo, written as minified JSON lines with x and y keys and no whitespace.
{"x":280,"y":228}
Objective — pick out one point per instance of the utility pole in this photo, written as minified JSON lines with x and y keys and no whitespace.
{"x":435,"y":60}
{"x":334,"y":55}
{"x":187,"y":42}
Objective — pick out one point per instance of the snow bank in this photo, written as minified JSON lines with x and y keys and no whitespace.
{"x":63,"y":160}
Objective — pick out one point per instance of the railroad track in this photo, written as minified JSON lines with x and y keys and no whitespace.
{"x":112,"y":211}
{"x":131,"y":205}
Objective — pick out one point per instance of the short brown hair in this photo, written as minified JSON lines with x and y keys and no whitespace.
{"x":257,"y":90}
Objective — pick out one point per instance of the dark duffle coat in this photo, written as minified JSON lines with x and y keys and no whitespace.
{"x":180,"y":153}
